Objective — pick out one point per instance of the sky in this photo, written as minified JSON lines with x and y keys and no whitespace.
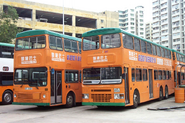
{"x":102,"y":5}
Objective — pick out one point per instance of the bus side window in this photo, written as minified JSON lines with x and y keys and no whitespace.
{"x":154,"y":49}
{"x":155,"y":75}
{"x":145,"y":75}
{"x":158,"y":51}
{"x":166,"y":53}
{"x":138,"y":74}
{"x":133,"y":75}
{"x":143,"y":46}
{"x":160,"y":74}
{"x":137,"y":44}
{"x":128,"y":42}
{"x":164,"y":75}
{"x":149,"y":49}
{"x":162,"y":52}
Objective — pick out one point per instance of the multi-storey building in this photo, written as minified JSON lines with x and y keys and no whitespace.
{"x":42,"y":16}
{"x":132,"y":20}
{"x":168,"y":23}
{"x":148,"y":31}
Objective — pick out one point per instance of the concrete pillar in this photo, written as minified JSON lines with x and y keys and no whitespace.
{"x":73,"y":20}
{"x":74,"y":34}
{"x":33,"y":15}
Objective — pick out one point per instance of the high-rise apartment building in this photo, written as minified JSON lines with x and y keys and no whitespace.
{"x":149,"y":31}
{"x":132,"y":20}
{"x":168,"y":23}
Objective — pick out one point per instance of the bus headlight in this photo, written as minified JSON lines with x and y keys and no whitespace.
{"x":116,"y":89}
{"x":15,"y":95}
{"x":85,"y":96}
{"x":44,"y":96}
{"x":118,"y":96}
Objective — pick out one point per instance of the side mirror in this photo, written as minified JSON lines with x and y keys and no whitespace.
{"x":123,"y":76}
{"x":52,"y":71}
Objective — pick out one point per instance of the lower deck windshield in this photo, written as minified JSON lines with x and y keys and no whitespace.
{"x":31,"y":76}
{"x":108,"y":75}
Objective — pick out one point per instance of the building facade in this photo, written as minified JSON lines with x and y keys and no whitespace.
{"x":149,"y":31}
{"x":132,"y":20}
{"x":168,"y":23}
{"x":42,"y":16}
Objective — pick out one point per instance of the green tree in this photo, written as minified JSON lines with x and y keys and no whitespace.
{"x":8,"y":27}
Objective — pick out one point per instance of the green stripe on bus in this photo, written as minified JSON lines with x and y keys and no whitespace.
{"x":41,"y":32}
{"x":38,"y":104}
{"x":103,"y":104}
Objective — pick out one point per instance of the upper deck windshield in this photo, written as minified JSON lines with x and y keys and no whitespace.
{"x":31,"y":76}
{"x":110,"y":41}
{"x":91,"y":43}
{"x":30,"y":43}
{"x":107,"y":41}
{"x":109,"y":75}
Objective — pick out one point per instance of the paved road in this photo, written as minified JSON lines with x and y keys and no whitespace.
{"x":91,"y":114}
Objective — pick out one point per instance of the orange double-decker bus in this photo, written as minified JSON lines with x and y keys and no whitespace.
{"x":122,"y":69}
{"x":47,"y":69}
{"x":179,"y":70}
{"x":6,"y":72}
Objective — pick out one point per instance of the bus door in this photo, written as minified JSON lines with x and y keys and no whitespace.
{"x":127,"y":100}
{"x":150,"y":83}
{"x":56,"y":87}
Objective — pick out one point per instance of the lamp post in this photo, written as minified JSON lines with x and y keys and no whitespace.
{"x":63,"y":16}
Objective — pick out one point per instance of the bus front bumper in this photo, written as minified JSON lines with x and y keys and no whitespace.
{"x":103,"y":104}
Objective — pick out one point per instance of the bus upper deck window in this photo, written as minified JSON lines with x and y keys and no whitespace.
{"x":110,"y":41}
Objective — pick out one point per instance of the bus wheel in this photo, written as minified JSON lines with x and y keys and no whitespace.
{"x":69,"y":101}
{"x":160,"y":94}
{"x":7,"y":97}
{"x":166,"y":92}
{"x":135,"y":99}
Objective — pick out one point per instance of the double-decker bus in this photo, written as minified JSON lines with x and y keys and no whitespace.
{"x":122,"y":69}
{"x":6,"y":72}
{"x":179,"y":73}
{"x":47,"y":69}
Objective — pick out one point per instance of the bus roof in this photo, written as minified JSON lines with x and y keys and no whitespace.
{"x":103,"y":31}
{"x":7,"y":44}
{"x":41,"y":32}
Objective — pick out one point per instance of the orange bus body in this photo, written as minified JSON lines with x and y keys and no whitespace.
{"x":99,"y":93}
{"x":58,"y":89}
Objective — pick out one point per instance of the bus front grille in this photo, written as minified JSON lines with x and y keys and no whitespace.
{"x":101,"y":97}
{"x":25,"y":96}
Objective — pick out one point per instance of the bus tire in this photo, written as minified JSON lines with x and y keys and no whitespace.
{"x":135,"y":99}
{"x":160,"y":94}
{"x":166,"y":92}
{"x":69,"y":100}
{"x":7,"y":97}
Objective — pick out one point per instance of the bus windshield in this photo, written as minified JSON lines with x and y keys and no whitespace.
{"x":31,"y":76}
{"x":109,"y":75}
{"x":91,"y":43}
{"x":110,"y":41}
{"x":30,"y":43}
